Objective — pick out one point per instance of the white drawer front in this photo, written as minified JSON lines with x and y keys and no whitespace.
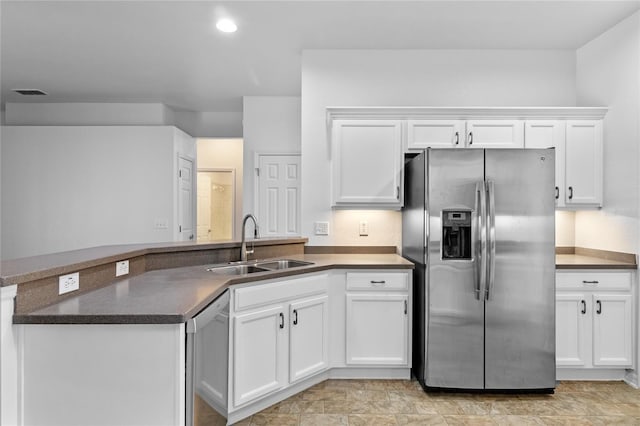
{"x":593,"y":280}
{"x":273,"y":292}
{"x":377,"y":281}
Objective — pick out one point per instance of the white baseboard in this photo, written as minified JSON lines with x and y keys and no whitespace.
{"x":631,"y":378}
{"x":590,"y":374}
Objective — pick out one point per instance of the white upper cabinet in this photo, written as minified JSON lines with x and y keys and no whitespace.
{"x":366,"y":158}
{"x":584,"y":163}
{"x":541,"y":134}
{"x":423,"y":134}
{"x":495,"y":134}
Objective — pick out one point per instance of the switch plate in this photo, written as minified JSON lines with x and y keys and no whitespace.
{"x":69,"y":282}
{"x":364,"y":228}
{"x":321,"y":228}
{"x":122,"y":268}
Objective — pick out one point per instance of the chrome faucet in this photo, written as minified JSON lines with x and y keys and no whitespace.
{"x":256,"y":234}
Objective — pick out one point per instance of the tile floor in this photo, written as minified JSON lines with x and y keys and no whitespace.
{"x":403,"y":402}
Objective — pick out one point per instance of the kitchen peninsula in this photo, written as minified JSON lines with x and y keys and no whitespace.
{"x":133,"y":327}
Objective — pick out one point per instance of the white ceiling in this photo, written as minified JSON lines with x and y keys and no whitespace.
{"x":170,"y":52}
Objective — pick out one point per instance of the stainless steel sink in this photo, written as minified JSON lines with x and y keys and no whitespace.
{"x":236,"y":269}
{"x":253,"y":267}
{"x":283,"y":264}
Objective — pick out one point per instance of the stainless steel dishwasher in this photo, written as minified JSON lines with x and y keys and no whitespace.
{"x":207,"y":361}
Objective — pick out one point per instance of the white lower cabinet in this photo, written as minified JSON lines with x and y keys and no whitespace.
{"x":308,"y":337}
{"x":282,"y":340}
{"x":377,"y":321}
{"x":377,"y":329}
{"x":594,"y":320}
{"x":260,"y":348}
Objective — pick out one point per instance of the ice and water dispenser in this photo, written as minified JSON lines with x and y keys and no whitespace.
{"x":456,"y":234}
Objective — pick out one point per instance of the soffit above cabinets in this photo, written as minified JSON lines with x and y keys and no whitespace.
{"x":463,"y":113}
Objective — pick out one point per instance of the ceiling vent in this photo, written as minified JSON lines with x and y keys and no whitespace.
{"x":30,"y":92}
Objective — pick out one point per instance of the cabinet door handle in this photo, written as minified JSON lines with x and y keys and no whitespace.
{"x":599,"y":309}
{"x":470,"y":138}
{"x":281,"y":320}
{"x":457,"y":138}
{"x":584,"y":307}
{"x":571,"y":192}
{"x":405,"y":307}
{"x":378,"y":283}
{"x":397,"y":192}
{"x":557,"y":192}
{"x":295,"y":314}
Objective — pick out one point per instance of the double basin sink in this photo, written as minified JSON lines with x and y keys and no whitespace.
{"x":257,"y":266}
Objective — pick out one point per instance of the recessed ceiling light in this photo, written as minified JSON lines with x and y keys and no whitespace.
{"x":226,"y":26}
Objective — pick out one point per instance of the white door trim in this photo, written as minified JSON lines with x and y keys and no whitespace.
{"x":256,"y":176}
{"x":176,"y":227}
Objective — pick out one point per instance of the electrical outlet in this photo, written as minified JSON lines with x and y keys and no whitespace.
{"x":69,"y":282}
{"x":321,"y":228}
{"x":161,"y":223}
{"x":122,"y":268}
{"x":364,"y":228}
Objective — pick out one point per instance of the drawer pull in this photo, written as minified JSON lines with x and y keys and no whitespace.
{"x":381,"y":282}
{"x":592,"y":283}
{"x":584,"y":307}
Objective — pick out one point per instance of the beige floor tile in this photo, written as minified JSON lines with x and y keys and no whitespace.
{"x":372,"y":420}
{"x":403,"y":402}
{"x":420,"y":420}
{"x":262,"y":419}
{"x":323,"y":419}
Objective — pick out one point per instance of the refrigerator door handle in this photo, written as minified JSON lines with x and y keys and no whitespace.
{"x":481,"y":240}
{"x":491,"y":236}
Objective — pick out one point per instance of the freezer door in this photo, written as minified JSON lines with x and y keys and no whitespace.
{"x":520,"y":298}
{"x":455,"y":340}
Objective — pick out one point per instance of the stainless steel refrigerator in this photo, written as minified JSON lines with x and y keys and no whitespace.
{"x":480,"y":226}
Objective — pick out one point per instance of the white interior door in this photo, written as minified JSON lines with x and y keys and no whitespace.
{"x":279,"y":195}
{"x":186,"y":215}
{"x":204,"y":207}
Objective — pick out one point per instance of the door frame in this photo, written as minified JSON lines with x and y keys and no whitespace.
{"x":256,"y":176}
{"x":233,"y":193}
{"x":176,"y":227}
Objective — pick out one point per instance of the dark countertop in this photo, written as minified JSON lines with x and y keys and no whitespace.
{"x":26,"y":269}
{"x":577,"y":261}
{"x":172,"y":296}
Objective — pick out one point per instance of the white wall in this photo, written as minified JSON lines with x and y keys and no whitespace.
{"x":196,"y":123}
{"x":209,"y":124}
{"x":608,"y":73}
{"x":411,"y":78}
{"x":70,"y":187}
{"x":225,"y":154}
{"x":88,"y":114}
{"x":271,"y":124}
